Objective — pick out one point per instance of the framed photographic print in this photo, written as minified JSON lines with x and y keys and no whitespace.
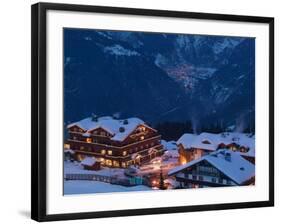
{"x":138,"y":111}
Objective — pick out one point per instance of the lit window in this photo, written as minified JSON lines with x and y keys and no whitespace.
{"x":109,"y":152}
{"x":124,"y":153}
{"x":108,"y":162}
{"x":81,"y":147}
{"x":123,"y":164}
{"x":103,"y":151}
{"x":66,"y":146}
{"x":89,"y":140}
{"x":80,"y":157}
{"x":101,"y":160}
{"x":142,"y":137}
{"x":116,"y":163}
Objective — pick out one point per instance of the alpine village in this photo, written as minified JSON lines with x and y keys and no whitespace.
{"x":110,"y":154}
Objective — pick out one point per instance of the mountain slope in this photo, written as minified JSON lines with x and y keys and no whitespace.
{"x":159,"y":77}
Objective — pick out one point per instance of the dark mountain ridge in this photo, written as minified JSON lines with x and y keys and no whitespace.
{"x":159,"y":77}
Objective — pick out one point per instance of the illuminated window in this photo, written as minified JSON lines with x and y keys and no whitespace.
{"x":80,"y":157}
{"x":124,"y":164}
{"x":109,"y":152}
{"x":142,"y":137}
{"x":82,"y":148}
{"x":103,"y":151}
{"x":124,"y":153}
{"x":89,"y":140}
{"x":66,"y":146}
{"x":108,"y":162}
{"x":101,"y":160}
{"x":141,"y":129}
{"x":116,"y":163}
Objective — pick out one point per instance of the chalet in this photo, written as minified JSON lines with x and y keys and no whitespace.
{"x":113,"y":142}
{"x":220,"y":168}
{"x":192,"y":146}
{"x":90,"y":163}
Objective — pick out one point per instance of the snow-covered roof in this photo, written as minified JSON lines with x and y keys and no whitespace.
{"x":69,"y":151}
{"x":236,"y":168}
{"x":88,"y":161}
{"x":169,"y":145}
{"x":186,"y":140}
{"x":111,"y":125}
{"x":210,"y":141}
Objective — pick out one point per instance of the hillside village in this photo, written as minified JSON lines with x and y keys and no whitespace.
{"x":108,"y":154}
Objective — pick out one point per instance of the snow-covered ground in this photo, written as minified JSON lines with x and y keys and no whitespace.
{"x":166,"y":162}
{"x":77,"y":168}
{"x":87,"y":187}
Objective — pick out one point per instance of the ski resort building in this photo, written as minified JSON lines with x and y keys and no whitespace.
{"x":220,"y":168}
{"x":192,"y":146}
{"x":114,"y":142}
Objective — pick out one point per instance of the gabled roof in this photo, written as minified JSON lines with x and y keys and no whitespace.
{"x":201,"y":141}
{"x":88,"y":161}
{"x":110,"y":125}
{"x":186,"y":140}
{"x":237,"y":168}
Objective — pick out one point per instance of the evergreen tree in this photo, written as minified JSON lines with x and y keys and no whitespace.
{"x":161,"y":182}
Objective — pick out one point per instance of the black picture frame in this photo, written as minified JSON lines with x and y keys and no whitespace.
{"x":39,"y":122}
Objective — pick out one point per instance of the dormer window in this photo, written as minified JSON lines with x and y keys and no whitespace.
{"x":206,"y":142}
{"x":88,"y":140}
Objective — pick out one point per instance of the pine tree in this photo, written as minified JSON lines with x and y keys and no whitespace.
{"x":161,"y":182}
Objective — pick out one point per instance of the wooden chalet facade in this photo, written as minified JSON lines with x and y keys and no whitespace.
{"x":220,"y":168}
{"x":114,"y":143}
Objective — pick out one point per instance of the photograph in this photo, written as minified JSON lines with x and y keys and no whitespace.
{"x":152,"y":111}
